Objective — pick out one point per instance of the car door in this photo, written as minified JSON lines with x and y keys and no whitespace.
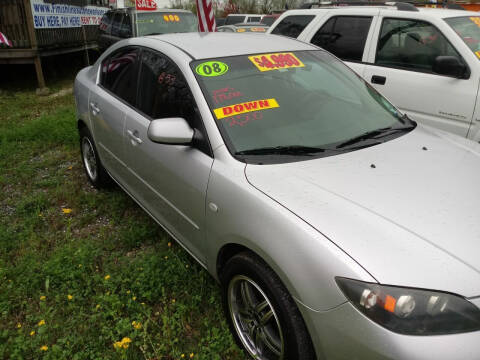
{"x":170,"y":181}
{"x":402,"y":63}
{"x":110,"y":98}
{"x":346,"y":36}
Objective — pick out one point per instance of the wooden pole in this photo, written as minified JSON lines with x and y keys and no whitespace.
{"x":33,"y":44}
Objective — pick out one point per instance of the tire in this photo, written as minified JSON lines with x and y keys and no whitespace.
{"x":262,"y":315}
{"x":96,"y":173}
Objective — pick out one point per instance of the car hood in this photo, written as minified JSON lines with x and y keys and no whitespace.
{"x":407,"y":210}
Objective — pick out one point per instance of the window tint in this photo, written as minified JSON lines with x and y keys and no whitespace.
{"x":120,"y":74}
{"x":163,"y":90}
{"x":254,"y":19}
{"x":126,"y":27}
{"x":411,"y":44}
{"x":116,"y":24}
{"x":292,"y":25}
{"x":344,"y":36}
{"x":234,"y":20}
{"x":106,"y":23}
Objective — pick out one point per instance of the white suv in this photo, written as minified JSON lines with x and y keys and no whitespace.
{"x":426,"y":61}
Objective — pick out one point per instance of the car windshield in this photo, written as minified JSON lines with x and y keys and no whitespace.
{"x":295,"y":101}
{"x":152,"y":23}
{"x":468,"y":28}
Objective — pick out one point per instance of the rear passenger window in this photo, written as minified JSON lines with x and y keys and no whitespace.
{"x":344,"y":36}
{"x":106,"y":23}
{"x":293,"y":25}
{"x":116,"y":24}
{"x":411,"y":44}
{"x":120,"y":73}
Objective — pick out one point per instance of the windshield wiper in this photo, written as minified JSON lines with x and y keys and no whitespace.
{"x":374,"y":134}
{"x":154,"y":33}
{"x":283,"y":150}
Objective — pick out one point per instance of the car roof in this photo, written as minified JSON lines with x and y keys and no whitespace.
{"x":212,"y":45}
{"x":428,"y":12}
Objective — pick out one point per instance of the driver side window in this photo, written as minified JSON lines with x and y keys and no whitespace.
{"x":411,"y":44}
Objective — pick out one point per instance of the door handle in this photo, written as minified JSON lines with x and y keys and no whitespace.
{"x":380,"y":80}
{"x":95,"y":108}
{"x":133,"y":135}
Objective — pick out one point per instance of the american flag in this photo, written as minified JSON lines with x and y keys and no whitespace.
{"x":4,"y":40}
{"x":206,"y":16}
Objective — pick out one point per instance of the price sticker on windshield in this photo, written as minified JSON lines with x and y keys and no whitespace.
{"x":476,"y":20}
{"x":267,"y":62}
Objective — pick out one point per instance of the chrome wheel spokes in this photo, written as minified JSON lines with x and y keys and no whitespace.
{"x":89,"y":159}
{"x":255,"y":320}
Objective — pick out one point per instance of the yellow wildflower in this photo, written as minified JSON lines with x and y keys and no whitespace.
{"x":80,"y":265}
{"x":97,"y":307}
{"x":19,"y":325}
{"x":128,"y":291}
{"x":191,"y":355}
{"x":182,"y":356}
{"x":44,"y":348}
{"x":166,"y":257}
{"x":41,"y":323}
{"x":136,"y":325}
{"x":173,"y":301}
{"x":169,"y":244}
{"x":32,"y":333}
{"x":69,"y":297}
{"x":43,"y":298}
{"x":125,"y":342}
{"x":66,"y":210}
{"x":107,"y":277}
{"x":70,"y":168}
{"x":134,"y":298}
{"x":117,"y":344}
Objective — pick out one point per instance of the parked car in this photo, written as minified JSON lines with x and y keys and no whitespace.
{"x":126,"y":23}
{"x":244,"y":28}
{"x":219,"y":21}
{"x":232,"y":19}
{"x":426,"y":61}
{"x":337,"y":227}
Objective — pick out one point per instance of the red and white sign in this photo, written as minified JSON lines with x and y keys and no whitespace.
{"x":145,"y":4}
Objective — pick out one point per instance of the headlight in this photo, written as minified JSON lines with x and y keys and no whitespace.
{"x":412,"y":311}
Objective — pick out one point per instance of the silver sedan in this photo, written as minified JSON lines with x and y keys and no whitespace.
{"x":337,"y":227}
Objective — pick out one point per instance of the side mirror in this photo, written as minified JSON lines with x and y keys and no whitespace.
{"x":174,"y":131}
{"x":450,"y":66}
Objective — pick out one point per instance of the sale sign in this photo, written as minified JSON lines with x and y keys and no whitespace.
{"x":145,"y":5}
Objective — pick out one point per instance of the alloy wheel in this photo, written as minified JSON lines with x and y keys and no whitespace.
{"x":255,"y":320}
{"x":89,"y":158}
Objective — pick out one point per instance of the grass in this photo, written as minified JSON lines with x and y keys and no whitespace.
{"x":82,"y":269}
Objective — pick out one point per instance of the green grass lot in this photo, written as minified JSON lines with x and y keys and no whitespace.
{"x":82,"y":269}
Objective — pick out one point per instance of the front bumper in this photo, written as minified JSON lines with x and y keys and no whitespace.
{"x":343,"y":333}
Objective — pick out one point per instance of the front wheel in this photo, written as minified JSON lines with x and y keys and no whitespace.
{"x":262,"y":315}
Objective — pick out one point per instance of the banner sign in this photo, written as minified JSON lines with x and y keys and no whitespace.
{"x":54,"y":16}
{"x":145,"y":5}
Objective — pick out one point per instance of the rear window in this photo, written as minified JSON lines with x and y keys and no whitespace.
{"x":234,"y":20}
{"x":155,"y":23}
{"x":268,"y":20}
{"x":293,"y":25}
